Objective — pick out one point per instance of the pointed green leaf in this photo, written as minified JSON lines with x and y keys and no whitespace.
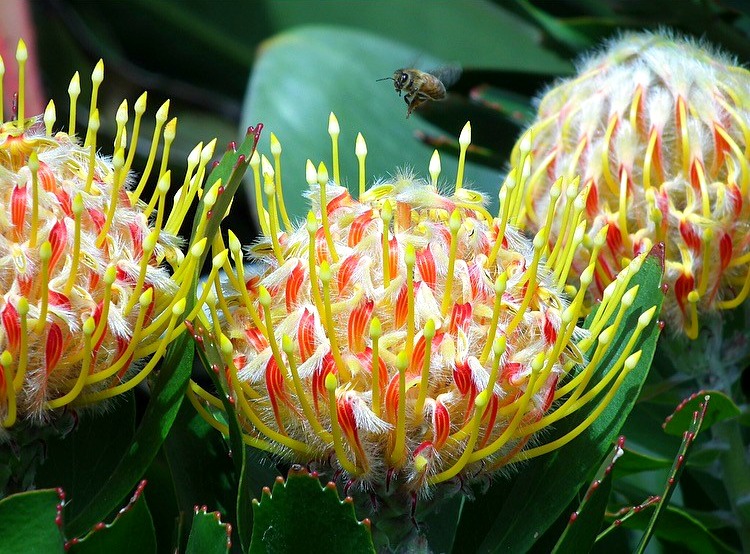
{"x":634,"y":461}
{"x":208,"y":534}
{"x":677,"y":467}
{"x":28,"y":522}
{"x":131,"y":531}
{"x":720,"y":408}
{"x":300,"y":515}
{"x":585,"y":522}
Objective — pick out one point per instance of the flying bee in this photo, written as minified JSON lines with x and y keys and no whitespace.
{"x":420,"y":86}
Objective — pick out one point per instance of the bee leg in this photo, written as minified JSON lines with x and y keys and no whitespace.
{"x":410,"y":104}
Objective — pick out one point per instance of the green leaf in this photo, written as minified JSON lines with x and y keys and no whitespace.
{"x":634,"y":461}
{"x":677,"y":467}
{"x":472,"y":33}
{"x":720,"y":408}
{"x":29,"y":522}
{"x":300,"y":515}
{"x":585,"y":522}
{"x":83,"y":459}
{"x":303,"y":75}
{"x":682,"y":529}
{"x":208,"y":534}
{"x":201,"y":469}
{"x":441,"y":525}
{"x":499,"y":521}
{"x":131,"y":531}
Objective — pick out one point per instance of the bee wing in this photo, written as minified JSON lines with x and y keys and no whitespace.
{"x":448,"y":74}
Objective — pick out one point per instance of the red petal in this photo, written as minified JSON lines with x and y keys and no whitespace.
{"x":441,"y":423}
{"x":340,"y":201}
{"x":58,"y":238}
{"x":460,"y":317}
{"x":346,"y":271}
{"x":18,"y":202}
{"x":12,"y":325}
{"x":293,"y":285}
{"x":427,"y":268}
{"x":358,"y":321}
{"x":306,"y":334}
{"x":54,"y":348}
{"x":358,"y":227}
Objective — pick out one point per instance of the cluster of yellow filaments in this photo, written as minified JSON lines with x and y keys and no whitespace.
{"x":84,"y":297}
{"x":659,"y":131}
{"x":409,"y":336}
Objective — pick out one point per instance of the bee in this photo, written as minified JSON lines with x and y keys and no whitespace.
{"x":420,"y":86}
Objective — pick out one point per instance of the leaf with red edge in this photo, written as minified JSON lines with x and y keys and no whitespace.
{"x":208,"y":534}
{"x":719,"y":409}
{"x":132,"y":530}
{"x":585,"y":522}
{"x":300,"y":515}
{"x":31,"y":521}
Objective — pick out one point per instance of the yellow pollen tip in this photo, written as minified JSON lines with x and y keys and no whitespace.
{"x":360,"y":146}
{"x":376,"y":329}
{"x":264,"y":297}
{"x":331,"y":382}
{"x":333,"y":125}
{"x":311,"y":174}
{"x":226,"y":345}
{"x":89,"y":326}
{"x":322,"y":174}
{"x":146,"y":297}
{"x":179,"y":307}
{"x":275,"y":145}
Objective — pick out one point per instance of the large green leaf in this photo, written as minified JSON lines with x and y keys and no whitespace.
{"x":30,"y":522}
{"x":208,"y":534}
{"x":473,"y":33}
{"x":303,"y":75}
{"x":300,"y":515}
{"x":499,"y":521}
{"x":84,"y":459}
{"x":131,"y":531}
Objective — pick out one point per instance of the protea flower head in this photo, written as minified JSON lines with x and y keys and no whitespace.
{"x":85,"y":297}
{"x":403,"y":335}
{"x":657,"y":128}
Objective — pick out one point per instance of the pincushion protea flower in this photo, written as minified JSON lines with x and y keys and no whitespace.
{"x":84,"y":296}
{"x":657,"y":127}
{"x":406,"y":336}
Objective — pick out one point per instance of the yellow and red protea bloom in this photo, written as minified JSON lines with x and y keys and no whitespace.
{"x":85,"y":297}
{"x":405,"y":335}
{"x":658,"y":128}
